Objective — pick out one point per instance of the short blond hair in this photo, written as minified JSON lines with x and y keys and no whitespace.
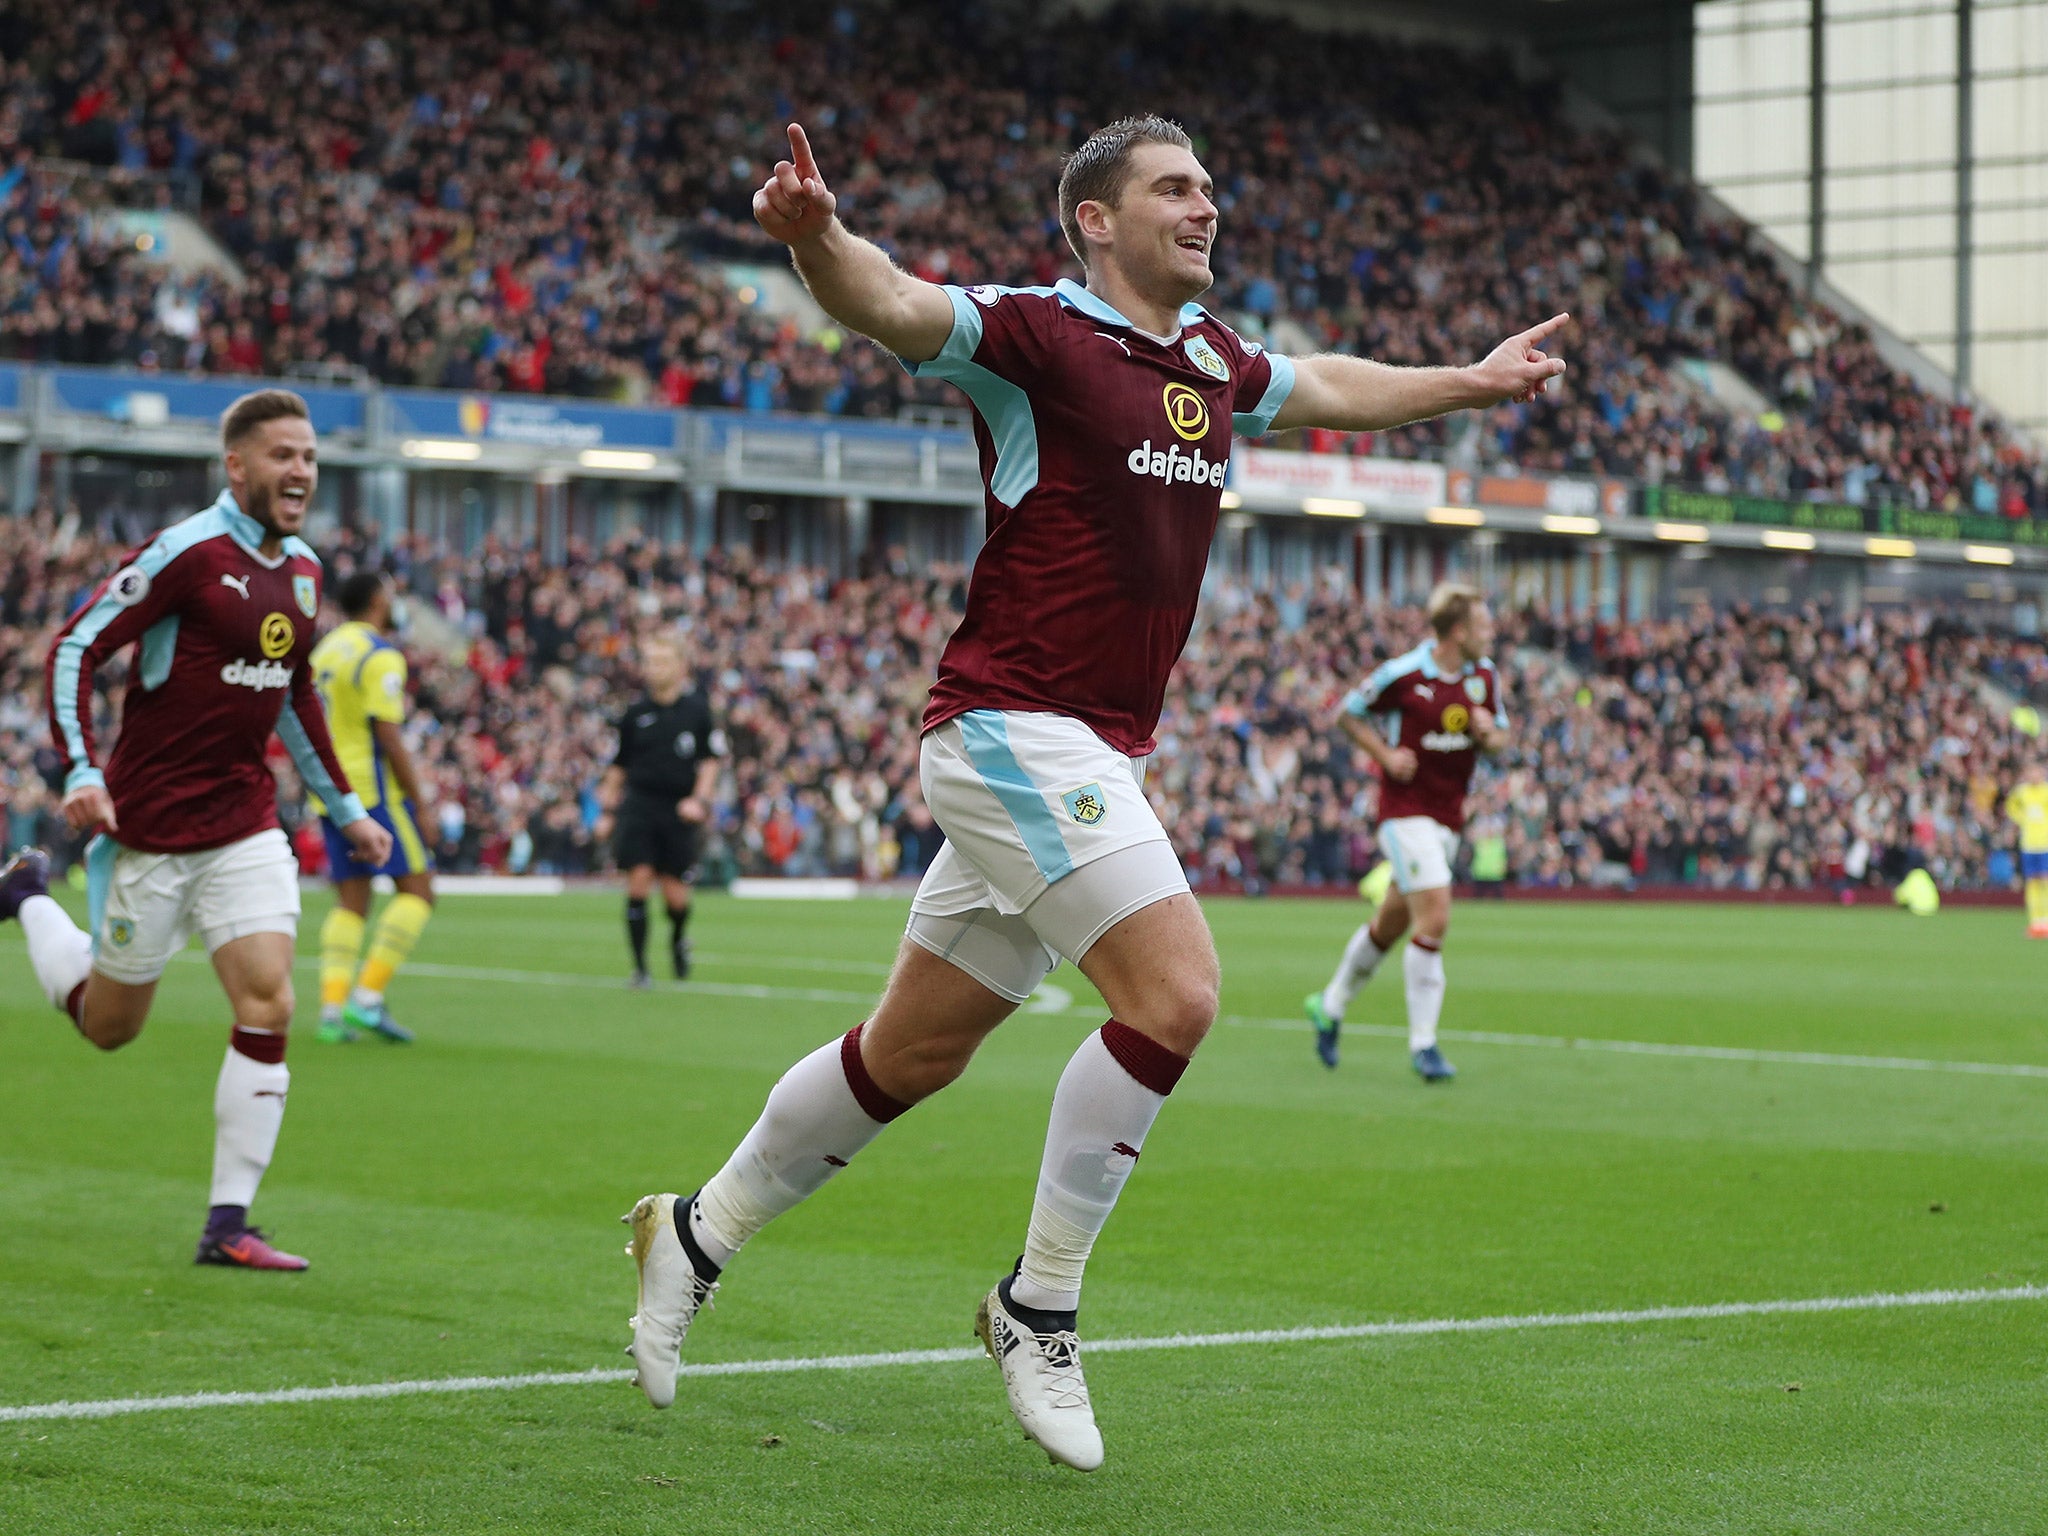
{"x":1450,"y":604}
{"x":253,"y":410}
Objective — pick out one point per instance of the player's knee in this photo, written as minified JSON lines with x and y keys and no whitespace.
{"x":916,"y":1068}
{"x":1178,"y":1015}
{"x":107,"y":1029}
{"x":933,"y":1065}
{"x":1432,"y":926}
{"x":267,"y":1009}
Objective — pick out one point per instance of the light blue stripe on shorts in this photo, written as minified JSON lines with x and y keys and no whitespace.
{"x":986,"y":735}
{"x":100,"y":854}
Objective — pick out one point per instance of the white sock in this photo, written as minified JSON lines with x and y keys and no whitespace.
{"x":59,"y":951}
{"x":363,"y":997}
{"x":1422,"y":967}
{"x":248,"y":1108}
{"x":1106,"y":1101}
{"x":1361,"y":958}
{"x":825,"y":1109}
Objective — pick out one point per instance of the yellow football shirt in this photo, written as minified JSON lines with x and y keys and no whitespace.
{"x":361,"y":678}
{"x":2028,"y":806}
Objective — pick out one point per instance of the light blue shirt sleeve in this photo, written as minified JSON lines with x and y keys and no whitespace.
{"x":957,"y":355}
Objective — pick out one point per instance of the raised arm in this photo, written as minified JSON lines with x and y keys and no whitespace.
{"x":1356,"y":394}
{"x":853,"y":280}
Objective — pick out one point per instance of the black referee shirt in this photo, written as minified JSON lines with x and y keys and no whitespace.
{"x":660,"y":745}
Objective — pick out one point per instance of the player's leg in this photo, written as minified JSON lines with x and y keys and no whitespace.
{"x":249,"y":1098}
{"x":246,"y":908}
{"x":633,"y":851}
{"x":639,"y":883}
{"x":2034,"y":870}
{"x":1372,"y":941}
{"x":1422,"y":969}
{"x":931,"y":1019}
{"x":137,"y":906}
{"x":341,"y":935}
{"x":398,"y":929}
{"x":818,"y":1116}
{"x":1156,"y":969}
{"x":59,"y":951}
{"x":1128,"y":921}
{"x":675,"y":896}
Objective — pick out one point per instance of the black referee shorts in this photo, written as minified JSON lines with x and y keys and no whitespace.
{"x":650,"y":832}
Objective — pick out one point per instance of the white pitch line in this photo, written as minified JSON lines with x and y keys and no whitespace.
{"x":1880,"y":1301}
{"x":1662,"y":1048}
{"x":1043,"y":1004}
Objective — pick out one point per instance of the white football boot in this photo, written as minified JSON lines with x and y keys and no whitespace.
{"x":671,"y":1295}
{"x":1041,"y":1360}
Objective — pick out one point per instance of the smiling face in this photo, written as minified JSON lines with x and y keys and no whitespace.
{"x":1160,"y":230}
{"x":273,"y":469}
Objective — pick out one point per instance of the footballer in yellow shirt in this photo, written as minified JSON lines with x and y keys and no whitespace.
{"x":2027,"y":807}
{"x":361,"y":677}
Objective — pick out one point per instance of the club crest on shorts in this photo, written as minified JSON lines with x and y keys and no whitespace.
{"x":1475,"y":689}
{"x":302,"y":589}
{"x":120,"y":932}
{"x":1208,"y":359}
{"x":1086,"y":804}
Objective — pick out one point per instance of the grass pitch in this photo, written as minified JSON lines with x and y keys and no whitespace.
{"x":459,"y":1200}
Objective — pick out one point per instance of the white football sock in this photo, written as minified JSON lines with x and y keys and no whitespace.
{"x":248,"y":1108}
{"x":1107,"y":1099}
{"x":1422,"y":967}
{"x":59,"y":951}
{"x":1361,"y":959}
{"x":825,"y":1109}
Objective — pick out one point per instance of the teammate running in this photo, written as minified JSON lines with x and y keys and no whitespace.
{"x":222,"y":606}
{"x":659,"y":787}
{"x":1439,"y":707}
{"x":361,"y":678}
{"x":1104,"y":417}
{"x":2027,"y":808}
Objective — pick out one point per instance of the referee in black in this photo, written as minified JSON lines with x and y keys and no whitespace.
{"x":659,"y":790}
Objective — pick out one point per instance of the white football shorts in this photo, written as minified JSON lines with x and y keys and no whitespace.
{"x":1421,"y":850}
{"x":146,"y":905}
{"x":1050,"y":842}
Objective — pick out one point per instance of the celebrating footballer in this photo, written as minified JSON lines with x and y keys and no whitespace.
{"x":1040,"y":721}
{"x":1423,"y":718}
{"x":220,"y":610}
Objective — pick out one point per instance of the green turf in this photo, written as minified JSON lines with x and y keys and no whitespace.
{"x":459,"y":1199}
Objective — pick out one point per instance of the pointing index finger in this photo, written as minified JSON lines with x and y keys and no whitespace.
{"x":1537,"y":333}
{"x":800,"y":152}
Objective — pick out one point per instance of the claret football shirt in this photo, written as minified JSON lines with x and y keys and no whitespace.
{"x":1103,"y":450}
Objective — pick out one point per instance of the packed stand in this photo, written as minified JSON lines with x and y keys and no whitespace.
{"x":1744,"y":750}
{"x":511,"y":197}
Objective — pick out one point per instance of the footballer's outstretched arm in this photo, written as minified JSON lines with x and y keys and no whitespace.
{"x":1356,"y":394}
{"x":853,"y":280}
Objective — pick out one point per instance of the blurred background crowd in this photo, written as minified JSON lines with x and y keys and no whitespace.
{"x":1746,"y":750}
{"x":539,"y":195}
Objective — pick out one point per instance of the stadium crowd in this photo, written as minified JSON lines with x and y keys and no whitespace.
{"x":511,"y":196}
{"x":1731,"y":749}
